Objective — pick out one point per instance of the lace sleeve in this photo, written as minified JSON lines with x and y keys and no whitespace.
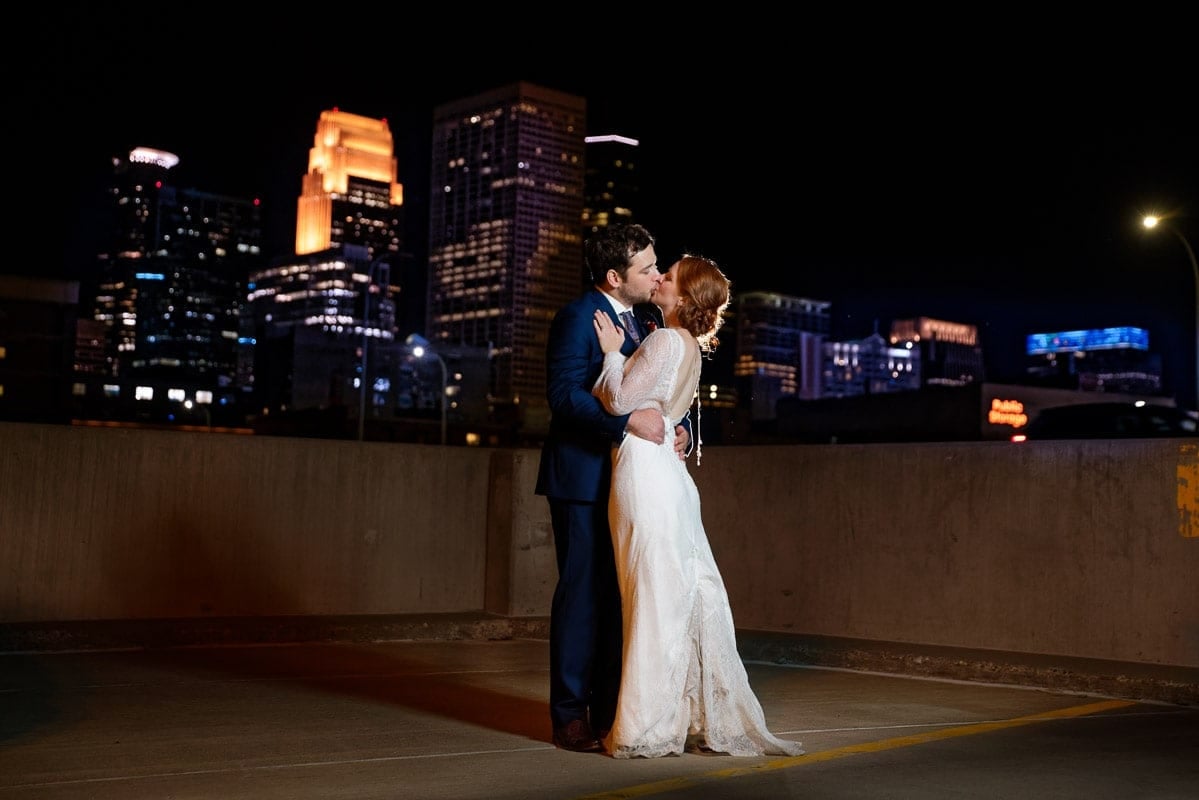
{"x":644,"y":379}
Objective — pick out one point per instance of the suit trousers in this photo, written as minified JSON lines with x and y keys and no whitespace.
{"x":585,"y":620}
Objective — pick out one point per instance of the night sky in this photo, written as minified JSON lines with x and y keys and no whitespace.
{"x":981,"y":177}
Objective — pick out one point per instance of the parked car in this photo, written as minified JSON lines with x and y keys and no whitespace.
{"x":1109,"y":421}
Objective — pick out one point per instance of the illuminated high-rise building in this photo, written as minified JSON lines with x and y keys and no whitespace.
{"x":318,"y":315}
{"x":350,"y":194}
{"x":949,"y":352}
{"x":312,"y":317}
{"x":869,"y":366}
{"x":611,"y":182}
{"x":505,"y":250}
{"x":167,"y":296}
{"x":779,"y":349}
{"x":610,"y":185}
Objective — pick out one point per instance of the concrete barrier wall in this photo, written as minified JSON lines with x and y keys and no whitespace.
{"x":99,"y":523}
{"x":1084,"y":549}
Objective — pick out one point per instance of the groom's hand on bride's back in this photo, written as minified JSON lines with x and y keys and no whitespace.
{"x":645,"y":423}
{"x":682,"y":442}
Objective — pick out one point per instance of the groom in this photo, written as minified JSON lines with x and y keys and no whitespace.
{"x":574,"y":475}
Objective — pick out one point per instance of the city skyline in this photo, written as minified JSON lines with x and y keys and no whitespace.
{"x":1003,"y":206}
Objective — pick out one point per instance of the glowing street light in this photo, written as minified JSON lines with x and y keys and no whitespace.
{"x":420,"y":347}
{"x":1151,"y":222}
{"x":190,"y":404}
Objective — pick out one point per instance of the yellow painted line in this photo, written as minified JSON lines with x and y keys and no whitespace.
{"x":677,"y":784}
{"x":1187,"y":473}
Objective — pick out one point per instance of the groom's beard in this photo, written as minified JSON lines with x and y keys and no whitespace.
{"x":629,"y":299}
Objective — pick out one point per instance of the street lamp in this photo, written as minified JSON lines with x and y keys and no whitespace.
{"x":366,"y":322}
{"x":420,"y":347}
{"x":189,"y":405}
{"x":1150,"y":222}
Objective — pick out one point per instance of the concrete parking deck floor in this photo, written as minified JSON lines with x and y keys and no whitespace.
{"x":468,"y":719}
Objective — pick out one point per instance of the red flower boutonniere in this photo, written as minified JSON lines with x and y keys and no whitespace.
{"x":650,"y":325}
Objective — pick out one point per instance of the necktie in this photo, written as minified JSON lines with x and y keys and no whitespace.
{"x":630,"y":325}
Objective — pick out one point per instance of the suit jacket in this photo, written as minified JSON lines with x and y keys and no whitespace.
{"x":576,"y":456}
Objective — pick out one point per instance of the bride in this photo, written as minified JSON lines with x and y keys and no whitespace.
{"x":683,"y":682}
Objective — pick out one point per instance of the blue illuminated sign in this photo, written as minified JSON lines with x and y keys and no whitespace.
{"x":1124,"y":338}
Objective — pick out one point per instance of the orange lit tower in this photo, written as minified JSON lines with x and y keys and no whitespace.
{"x":350,"y":194}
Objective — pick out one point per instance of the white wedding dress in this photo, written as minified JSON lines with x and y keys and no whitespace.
{"x":681,"y":674}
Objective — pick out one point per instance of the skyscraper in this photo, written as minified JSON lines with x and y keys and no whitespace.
{"x":312,"y":317}
{"x":505,"y":250}
{"x":350,"y":194}
{"x":611,"y":181}
{"x":317,"y":314}
{"x":168,"y":291}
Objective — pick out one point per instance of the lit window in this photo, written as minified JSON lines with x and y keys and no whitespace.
{"x":78,"y":389}
{"x":203,"y":396}
{"x":176,"y":395}
{"x":144,"y":393}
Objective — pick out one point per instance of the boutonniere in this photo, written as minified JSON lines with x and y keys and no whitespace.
{"x":650,"y":325}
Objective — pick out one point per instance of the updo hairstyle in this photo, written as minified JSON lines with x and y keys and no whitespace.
{"x":704,"y":292}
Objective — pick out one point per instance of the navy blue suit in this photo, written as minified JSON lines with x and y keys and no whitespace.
{"x":574,"y":475}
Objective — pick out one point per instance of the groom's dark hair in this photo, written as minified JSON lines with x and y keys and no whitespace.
{"x":613,"y":247}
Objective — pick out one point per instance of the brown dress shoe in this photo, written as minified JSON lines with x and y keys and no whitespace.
{"x":576,"y":735}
